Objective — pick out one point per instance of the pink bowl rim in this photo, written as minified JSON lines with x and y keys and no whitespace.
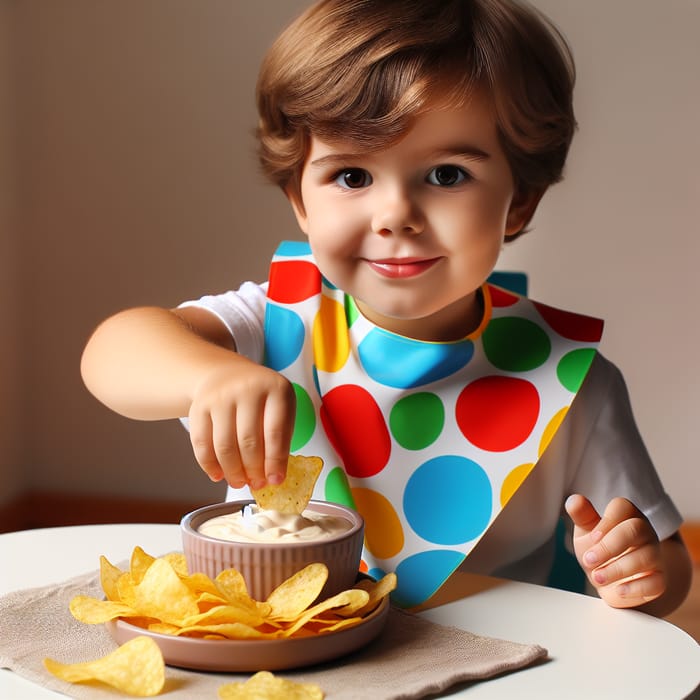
{"x":191,"y":521}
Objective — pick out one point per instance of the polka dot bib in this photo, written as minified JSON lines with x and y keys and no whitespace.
{"x":427,"y":440}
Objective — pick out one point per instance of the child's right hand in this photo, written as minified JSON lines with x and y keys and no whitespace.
{"x":241,"y":421}
{"x":151,"y":363}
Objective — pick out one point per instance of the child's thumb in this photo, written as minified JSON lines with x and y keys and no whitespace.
{"x":582,"y":512}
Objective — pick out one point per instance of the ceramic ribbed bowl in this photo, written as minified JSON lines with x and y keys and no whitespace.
{"x":265,"y":565}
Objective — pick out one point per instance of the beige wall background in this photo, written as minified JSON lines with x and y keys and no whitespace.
{"x":127,"y":177}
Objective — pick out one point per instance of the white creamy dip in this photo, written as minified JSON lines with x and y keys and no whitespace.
{"x":253,"y":524}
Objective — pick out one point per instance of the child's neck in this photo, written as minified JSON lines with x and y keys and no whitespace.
{"x":454,"y":322}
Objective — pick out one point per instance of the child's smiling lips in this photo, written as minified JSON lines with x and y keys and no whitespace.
{"x":401,"y":267}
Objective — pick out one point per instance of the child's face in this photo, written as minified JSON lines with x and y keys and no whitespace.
{"x":413,"y":230}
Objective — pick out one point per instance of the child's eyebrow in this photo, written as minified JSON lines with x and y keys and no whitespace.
{"x":462,"y":151}
{"x":334,"y":159}
{"x":466,"y":151}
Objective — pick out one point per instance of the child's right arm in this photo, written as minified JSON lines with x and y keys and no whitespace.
{"x":151,"y":363}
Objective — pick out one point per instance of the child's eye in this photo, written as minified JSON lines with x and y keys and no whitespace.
{"x":447,"y":175}
{"x":353,"y":178}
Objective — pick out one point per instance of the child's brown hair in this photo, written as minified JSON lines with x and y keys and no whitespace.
{"x":363,"y":69}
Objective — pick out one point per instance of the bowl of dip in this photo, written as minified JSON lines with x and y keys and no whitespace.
{"x":267,"y":547}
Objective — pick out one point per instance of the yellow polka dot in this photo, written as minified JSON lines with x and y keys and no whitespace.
{"x":332,"y":346}
{"x":551,"y":428}
{"x":383,"y":531}
{"x":512,"y":482}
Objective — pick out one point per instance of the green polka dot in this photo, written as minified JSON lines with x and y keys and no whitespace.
{"x":305,"y":422}
{"x":417,"y":420}
{"x":516,"y":344}
{"x":351,"y":312}
{"x":572,"y":368}
{"x":337,"y":488}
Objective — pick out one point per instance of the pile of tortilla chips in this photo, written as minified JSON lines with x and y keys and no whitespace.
{"x":160,"y":595}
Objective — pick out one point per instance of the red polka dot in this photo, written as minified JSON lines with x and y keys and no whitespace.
{"x":497,"y":413}
{"x":356,"y":429}
{"x":293,"y":280}
{"x":585,"y":329}
{"x":500,"y":297}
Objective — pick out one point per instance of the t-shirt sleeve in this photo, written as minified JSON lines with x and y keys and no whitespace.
{"x":614,"y":460}
{"x":243,"y":312}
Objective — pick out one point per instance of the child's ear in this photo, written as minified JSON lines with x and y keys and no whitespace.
{"x":522,"y":209}
{"x":297,"y":208}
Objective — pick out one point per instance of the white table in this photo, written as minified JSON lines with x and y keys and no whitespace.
{"x":595,"y":651}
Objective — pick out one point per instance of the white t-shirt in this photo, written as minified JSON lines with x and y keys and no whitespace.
{"x":597,"y":452}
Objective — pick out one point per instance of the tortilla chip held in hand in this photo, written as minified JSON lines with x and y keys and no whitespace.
{"x":293,"y":494}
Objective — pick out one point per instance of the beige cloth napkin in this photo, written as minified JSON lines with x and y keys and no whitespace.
{"x":411,"y":658}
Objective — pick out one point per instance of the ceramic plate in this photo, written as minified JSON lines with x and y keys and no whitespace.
{"x":249,"y":655}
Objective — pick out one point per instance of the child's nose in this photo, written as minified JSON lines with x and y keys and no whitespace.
{"x":396,"y":211}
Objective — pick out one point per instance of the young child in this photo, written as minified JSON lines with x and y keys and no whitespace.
{"x":412,"y":138}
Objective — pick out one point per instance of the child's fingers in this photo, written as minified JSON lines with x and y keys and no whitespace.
{"x":634,"y":592}
{"x":619,"y":551}
{"x":640,"y":559}
{"x":632,"y":533}
{"x":278,"y":425}
{"x":200,"y":429}
{"x":582,"y":512}
{"x":225,"y":445}
{"x":249,"y":454}
{"x":617,"y":511}
{"x":641,"y":589}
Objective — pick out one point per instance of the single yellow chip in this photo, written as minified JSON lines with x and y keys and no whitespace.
{"x":109,"y":575}
{"x":321,"y":626}
{"x":294,"y":595}
{"x":231,"y":584}
{"x":163,"y":595}
{"x":378,"y":590}
{"x":207,"y":601}
{"x":139,"y":564}
{"x":358,"y":602}
{"x":136,"y":668}
{"x":198,"y":583}
{"x":265,"y":686}
{"x":226,"y":613}
{"x":178,"y":561}
{"x":353,"y":597}
{"x":294,"y":493}
{"x":95,"y":612}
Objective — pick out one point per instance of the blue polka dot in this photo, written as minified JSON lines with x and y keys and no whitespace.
{"x":290,"y":249}
{"x":420,"y":575}
{"x":376,"y":573}
{"x":448,"y":500}
{"x":405,"y":363}
{"x":314,"y":376}
{"x":284,"y":324}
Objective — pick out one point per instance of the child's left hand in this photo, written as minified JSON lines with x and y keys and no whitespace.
{"x":620,"y":552}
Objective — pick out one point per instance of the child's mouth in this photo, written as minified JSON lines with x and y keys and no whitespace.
{"x":402,"y":267}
